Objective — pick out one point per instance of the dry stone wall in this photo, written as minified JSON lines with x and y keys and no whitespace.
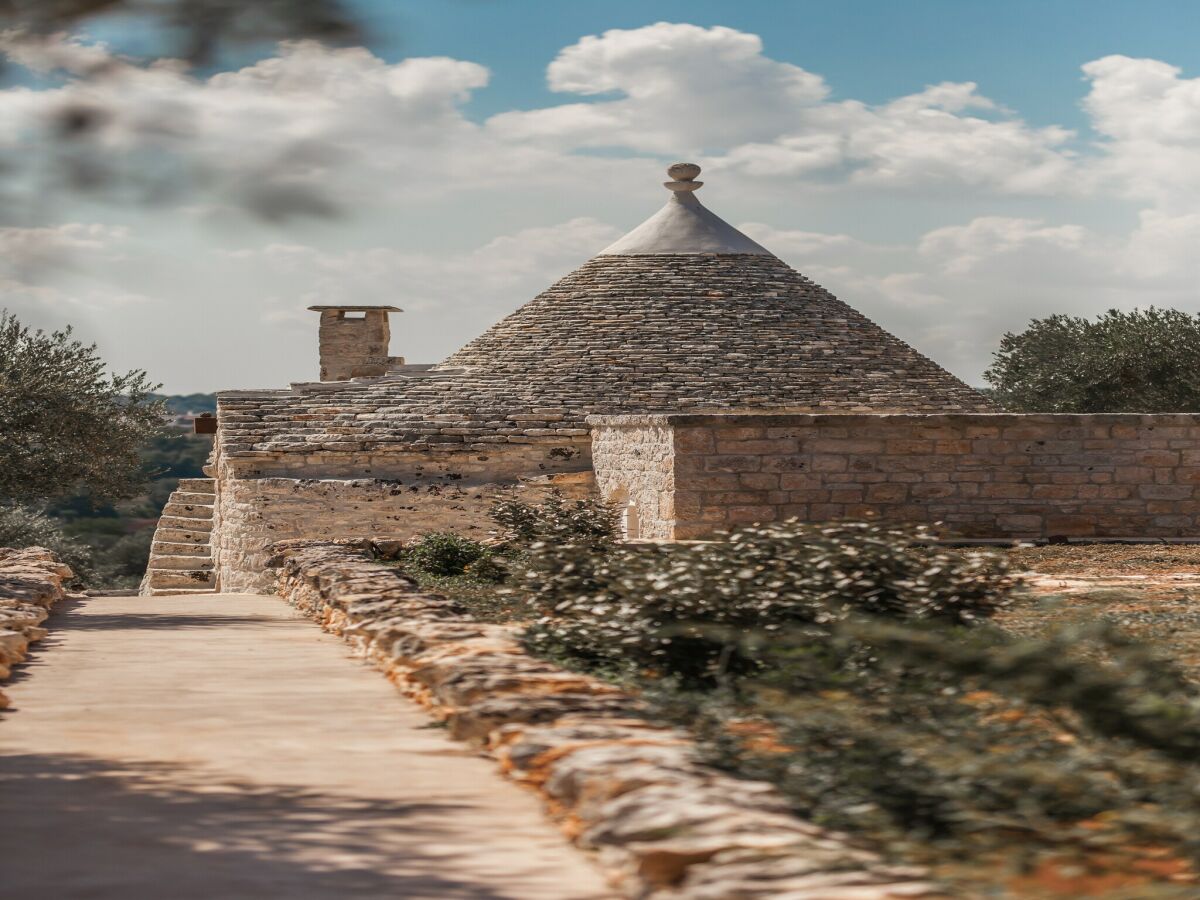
{"x":663,"y":824}
{"x":979,"y":475}
{"x":432,"y":494}
{"x":496,"y":462}
{"x":31,"y":582}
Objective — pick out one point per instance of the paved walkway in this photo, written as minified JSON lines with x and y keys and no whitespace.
{"x":218,"y":746}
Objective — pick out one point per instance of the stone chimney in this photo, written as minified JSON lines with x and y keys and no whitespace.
{"x":354,"y":341}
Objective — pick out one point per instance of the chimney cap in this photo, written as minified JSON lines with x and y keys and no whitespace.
{"x":353,"y":308}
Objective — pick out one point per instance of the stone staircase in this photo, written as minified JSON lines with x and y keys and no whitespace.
{"x":181,"y":555}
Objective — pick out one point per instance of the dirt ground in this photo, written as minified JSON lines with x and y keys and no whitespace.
{"x":1149,"y":590}
{"x":1092,"y":560}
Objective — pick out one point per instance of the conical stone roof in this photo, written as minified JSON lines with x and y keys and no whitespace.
{"x":683,"y":313}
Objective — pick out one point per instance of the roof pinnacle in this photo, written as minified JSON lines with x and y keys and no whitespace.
{"x":683,"y":177}
{"x":684,"y":225}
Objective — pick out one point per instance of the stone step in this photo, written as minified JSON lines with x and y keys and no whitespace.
{"x":197,"y":485}
{"x":188,"y":510}
{"x":193,"y":549}
{"x":167,"y":535}
{"x":194,"y":498}
{"x":189,"y":578}
{"x":165,"y":592}
{"x":182,"y":523}
{"x":191,"y":563}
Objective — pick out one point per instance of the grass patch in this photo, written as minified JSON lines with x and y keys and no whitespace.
{"x":486,"y":601}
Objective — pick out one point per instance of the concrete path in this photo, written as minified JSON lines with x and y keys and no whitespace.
{"x":219,"y":746}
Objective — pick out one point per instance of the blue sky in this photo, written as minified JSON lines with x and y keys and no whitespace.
{"x":952,"y":169}
{"x":1024,"y":53}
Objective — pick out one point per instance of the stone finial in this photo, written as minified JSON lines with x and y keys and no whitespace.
{"x":683,"y":177}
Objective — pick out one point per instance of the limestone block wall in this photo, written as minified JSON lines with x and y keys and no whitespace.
{"x":978,"y":475}
{"x":635,"y":473}
{"x":502,"y":461}
{"x":434,"y":493}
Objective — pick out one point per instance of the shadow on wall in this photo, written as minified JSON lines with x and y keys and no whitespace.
{"x":165,"y":831}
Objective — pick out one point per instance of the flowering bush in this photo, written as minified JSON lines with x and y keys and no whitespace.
{"x":696,"y":612}
{"x":578,"y":523}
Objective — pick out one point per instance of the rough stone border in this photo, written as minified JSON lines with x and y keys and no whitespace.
{"x":30,"y":583}
{"x":662,"y":824}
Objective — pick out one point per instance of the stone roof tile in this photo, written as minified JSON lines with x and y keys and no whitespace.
{"x":623,"y":333}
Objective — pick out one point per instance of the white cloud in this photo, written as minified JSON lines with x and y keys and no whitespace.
{"x":1149,"y":119}
{"x":981,"y":243}
{"x":33,"y":247}
{"x":686,"y":89}
{"x":447,"y":297}
{"x":921,"y":140}
{"x":56,"y":52}
{"x":304,"y":132}
{"x":1162,"y":249}
{"x":52,"y":276}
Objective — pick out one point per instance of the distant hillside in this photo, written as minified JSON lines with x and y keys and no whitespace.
{"x":181,"y":404}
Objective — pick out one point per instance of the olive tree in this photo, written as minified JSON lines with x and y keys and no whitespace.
{"x":1146,"y":360}
{"x":66,"y":422}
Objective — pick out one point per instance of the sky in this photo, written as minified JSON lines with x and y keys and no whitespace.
{"x":952,"y":169}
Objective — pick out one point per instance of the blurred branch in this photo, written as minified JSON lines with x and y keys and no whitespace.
{"x":200,"y":26}
{"x":106,"y":138}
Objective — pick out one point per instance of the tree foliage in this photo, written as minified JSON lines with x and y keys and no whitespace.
{"x":24,"y":526}
{"x":1141,"y":361}
{"x":67,"y":422}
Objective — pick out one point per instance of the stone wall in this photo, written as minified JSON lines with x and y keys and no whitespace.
{"x":634,"y":472}
{"x":423,"y":493}
{"x":31,"y":582}
{"x":979,"y":475}
{"x":662,"y":823}
{"x":497,"y":462}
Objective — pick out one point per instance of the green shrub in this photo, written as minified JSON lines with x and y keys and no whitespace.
{"x":696,"y":612}
{"x":443,"y":553}
{"x":488,"y":569}
{"x":587,"y":523}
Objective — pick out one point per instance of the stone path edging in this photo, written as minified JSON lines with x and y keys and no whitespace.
{"x":30,"y":583}
{"x":663,"y":824}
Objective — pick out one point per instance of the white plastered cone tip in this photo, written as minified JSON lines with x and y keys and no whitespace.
{"x":684,"y":225}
